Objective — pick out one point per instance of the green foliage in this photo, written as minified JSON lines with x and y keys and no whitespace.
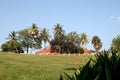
{"x":24,"y":39}
{"x":84,"y":39}
{"x":12,"y":36}
{"x":45,"y":36}
{"x":69,"y":43}
{"x":58,"y":32}
{"x":34,"y":34}
{"x":65,"y":47}
{"x":97,"y":44}
{"x":80,"y":50}
{"x":30,"y":38}
{"x":104,"y":67}
{"x":11,"y":46}
{"x":4,"y":47}
{"x":58,"y":40}
{"x":115,"y":47}
{"x":74,"y":38}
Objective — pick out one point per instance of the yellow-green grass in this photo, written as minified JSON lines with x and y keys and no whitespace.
{"x":38,"y":67}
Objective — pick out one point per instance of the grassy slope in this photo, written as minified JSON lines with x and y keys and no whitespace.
{"x":36,"y":67}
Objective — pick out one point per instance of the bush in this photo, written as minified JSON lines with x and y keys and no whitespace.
{"x":104,"y":67}
{"x":80,"y":50}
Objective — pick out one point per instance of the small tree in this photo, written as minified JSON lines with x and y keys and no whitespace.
{"x":24,"y":39}
{"x":11,"y":46}
{"x":34,"y":34}
{"x":115,"y":47}
{"x":45,"y":36}
{"x":84,"y":39}
{"x":13,"y":39}
{"x":97,"y":44}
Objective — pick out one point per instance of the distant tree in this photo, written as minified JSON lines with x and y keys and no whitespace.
{"x":115,"y":46}
{"x":9,"y":47}
{"x":97,"y":44}
{"x":84,"y":39}
{"x":58,"y":37}
{"x":24,"y":39}
{"x":12,"y":45}
{"x":36,"y":37}
{"x":69,"y":47}
{"x":4,"y":47}
{"x":80,"y":50}
{"x":45,"y":36}
{"x":13,"y":38}
{"x":58,"y":32}
{"x":74,"y":38}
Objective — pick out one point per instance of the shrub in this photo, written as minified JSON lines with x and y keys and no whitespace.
{"x":103,"y":67}
{"x":80,"y":50}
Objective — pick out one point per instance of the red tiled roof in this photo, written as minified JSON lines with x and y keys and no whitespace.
{"x":46,"y":50}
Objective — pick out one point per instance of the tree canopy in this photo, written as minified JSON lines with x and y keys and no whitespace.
{"x":32,"y":38}
{"x":97,"y":44}
{"x":115,"y":46}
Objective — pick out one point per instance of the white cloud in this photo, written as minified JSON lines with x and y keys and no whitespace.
{"x":114,"y":18}
{"x":119,"y":18}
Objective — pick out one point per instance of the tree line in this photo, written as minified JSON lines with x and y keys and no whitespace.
{"x":32,"y":37}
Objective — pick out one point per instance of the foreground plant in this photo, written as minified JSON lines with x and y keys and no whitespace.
{"x":103,"y":67}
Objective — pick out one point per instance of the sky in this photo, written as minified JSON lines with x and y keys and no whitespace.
{"x":93,"y":17}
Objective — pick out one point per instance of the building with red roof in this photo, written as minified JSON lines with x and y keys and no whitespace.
{"x":48,"y":50}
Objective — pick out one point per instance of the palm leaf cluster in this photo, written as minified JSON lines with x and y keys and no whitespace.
{"x":12,"y":45}
{"x":67,"y":43}
{"x":97,"y":44}
{"x":103,"y":67}
{"x":115,"y":47}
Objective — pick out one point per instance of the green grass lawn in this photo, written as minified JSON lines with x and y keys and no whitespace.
{"x":37,"y":67}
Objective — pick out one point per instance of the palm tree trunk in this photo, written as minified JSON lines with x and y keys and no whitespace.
{"x":27,"y":50}
{"x":16,"y":48}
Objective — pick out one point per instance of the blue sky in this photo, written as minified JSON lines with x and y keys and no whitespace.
{"x":94,"y":17}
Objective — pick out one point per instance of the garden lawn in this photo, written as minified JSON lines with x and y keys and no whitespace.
{"x":38,"y":67}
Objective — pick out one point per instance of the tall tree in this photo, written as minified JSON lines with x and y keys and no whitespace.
{"x":97,"y":44}
{"x":33,"y":31}
{"x":58,"y":37}
{"x":71,"y":37}
{"x":115,"y":46}
{"x":13,"y":38}
{"x":84,"y":39}
{"x":58,"y":32}
{"x":24,"y":39}
{"x":74,"y":38}
{"x":36,"y":37}
{"x":45,"y":36}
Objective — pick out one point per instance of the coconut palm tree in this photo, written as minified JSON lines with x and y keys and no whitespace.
{"x":84,"y":39}
{"x":58,"y":36}
{"x":97,"y":44}
{"x":115,"y":46}
{"x":13,"y":38}
{"x":45,"y":36}
{"x":58,"y":31}
{"x":33,"y":31}
{"x":34,"y":34}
